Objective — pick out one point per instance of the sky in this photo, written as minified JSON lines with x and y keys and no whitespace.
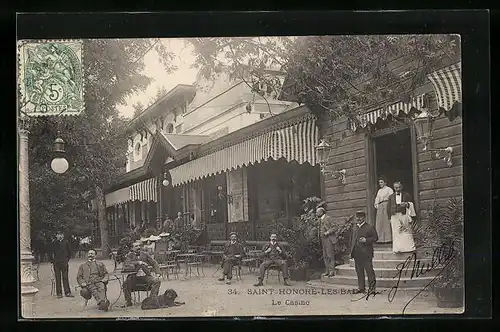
{"x":154,"y":69}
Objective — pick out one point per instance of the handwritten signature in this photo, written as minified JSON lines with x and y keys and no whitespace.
{"x":441,"y":258}
{"x":412,"y":267}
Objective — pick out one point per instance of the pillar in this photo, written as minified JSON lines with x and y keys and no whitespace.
{"x":28,"y":291}
{"x":159,"y":201}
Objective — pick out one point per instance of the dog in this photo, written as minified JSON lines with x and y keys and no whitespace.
{"x":161,"y":301}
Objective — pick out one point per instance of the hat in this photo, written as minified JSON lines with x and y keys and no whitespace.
{"x":233,"y":233}
{"x":360,"y":214}
{"x":85,"y":293}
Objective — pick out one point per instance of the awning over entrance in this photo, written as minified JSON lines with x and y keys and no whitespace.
{"x":144,"y":191}
{"x":447,"y":83}
{"x":393,"y":109}
{"x":294,"y":141}
{"x":118,"y":197}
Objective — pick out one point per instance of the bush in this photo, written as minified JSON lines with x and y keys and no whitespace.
{"x":443,"y":228}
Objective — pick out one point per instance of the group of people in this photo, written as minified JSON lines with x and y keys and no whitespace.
{"x":272,"y":254}
{"x":395,"y":211}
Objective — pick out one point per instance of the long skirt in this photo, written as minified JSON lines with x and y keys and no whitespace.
{"x":402,"y":237}
{"x":382,"y":224}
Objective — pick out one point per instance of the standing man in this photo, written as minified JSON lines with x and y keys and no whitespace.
{"x":178,"y":222}
{"x":60,"y":256}
{"x":364,"y":236}
{"x":140,"y":262}
{"x":233,"y":251}
{"x":93,"y":276}
{"x":273,"y":254}
{"x":328,"y":240}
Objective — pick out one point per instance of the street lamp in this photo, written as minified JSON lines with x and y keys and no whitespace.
{"x":424,"y":127}
{"x":59,"y":164}
{"x":323,"y":150}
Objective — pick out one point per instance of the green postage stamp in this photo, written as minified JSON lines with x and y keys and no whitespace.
{"x":51,"y":77}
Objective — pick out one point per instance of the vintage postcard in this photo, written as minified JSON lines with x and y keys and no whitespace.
{"x":241,"y":176}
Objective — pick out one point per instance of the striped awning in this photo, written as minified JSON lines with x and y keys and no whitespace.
{"x":447,"y":83}
{"x":144,"y":191}
{"x":118,"y":197}
{"x":294,"y":141}
{"x":372,"y":117}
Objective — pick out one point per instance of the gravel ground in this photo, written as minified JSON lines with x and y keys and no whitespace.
{"x":205,"y":296}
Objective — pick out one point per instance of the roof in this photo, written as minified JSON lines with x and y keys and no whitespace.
{"x":179,"y":91}
{"x":178,"y":141}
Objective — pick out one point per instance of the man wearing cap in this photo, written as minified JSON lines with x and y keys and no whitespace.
{"x":233,"y":252}
{"x":93,"y":276}
{"x":328,"y":239}
{"x":363,"y":237}
{"x":139,"y":261}
{"x":60,"y":256}
{"x":273,"y":254}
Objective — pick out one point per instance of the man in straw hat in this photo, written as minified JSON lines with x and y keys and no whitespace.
{"x":233,"y":252}
{"x":328,"y":240}
{"x":364,"y":236}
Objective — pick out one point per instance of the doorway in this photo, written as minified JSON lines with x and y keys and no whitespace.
{"x":394,"y":159}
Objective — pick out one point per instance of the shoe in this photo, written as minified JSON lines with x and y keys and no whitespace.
{"x":359,"y":291}
{"x":331,"y":275}
{"x":70,"y":295}
{"x":286,"y":283}
{"x":258,"y":284}
{"x":59,"y":296}
{"x":128,"y":304}
{"x":324,"y":274}
{"x":228,"y":282}
{"x":221,"y":279}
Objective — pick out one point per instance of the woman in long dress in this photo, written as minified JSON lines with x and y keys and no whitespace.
{"x":399,"y":203}
{"x":382,"y":223}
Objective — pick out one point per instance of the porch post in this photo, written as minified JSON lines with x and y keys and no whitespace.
{"x":159,"y":201}
{"x":28,"y":291}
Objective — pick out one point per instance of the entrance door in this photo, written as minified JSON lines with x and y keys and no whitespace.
{"x":393,"y":159}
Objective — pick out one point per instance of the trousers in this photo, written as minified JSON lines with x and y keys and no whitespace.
{"x":227,"y":267}
{"x":362,"y":264}
{"x":328,"y":255}
{"x":98,"y":291}
{"x":142,"y":283}
{"x":61,"y":274}
{"x":282,"y":264}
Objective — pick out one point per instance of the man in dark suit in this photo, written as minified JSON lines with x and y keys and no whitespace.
{"x":328,"y":239}
{"x":363,"y":238}
{"x":233,"y":252}
{"x":60,"y":256}
{"x":398,"y":200}
{"x":272,"y":253}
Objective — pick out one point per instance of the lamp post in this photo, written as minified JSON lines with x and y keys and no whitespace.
{"x":424,"y":127}
{"x":59,"y":165}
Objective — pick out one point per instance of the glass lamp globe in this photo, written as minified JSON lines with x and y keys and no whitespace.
{"x":59,"y":165}
{"x":165,"y":182}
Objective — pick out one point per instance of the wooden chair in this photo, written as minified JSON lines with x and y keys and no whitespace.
{"x":274,"y":267}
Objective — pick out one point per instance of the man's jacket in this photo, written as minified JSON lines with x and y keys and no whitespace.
{"x":132,"y":262}
{"x":274,"y":254}
{"x":61,"y":251}
{"x":83,"y":274}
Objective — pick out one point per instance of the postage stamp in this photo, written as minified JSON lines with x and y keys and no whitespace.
{"x":51,"y":77}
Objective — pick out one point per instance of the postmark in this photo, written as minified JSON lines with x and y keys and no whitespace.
{"x":51,"y":78}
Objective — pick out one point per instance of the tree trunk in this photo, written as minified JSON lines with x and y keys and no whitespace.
{"x":103,"y":223}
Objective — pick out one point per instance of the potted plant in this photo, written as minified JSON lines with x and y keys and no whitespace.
{"x":443,"y":230}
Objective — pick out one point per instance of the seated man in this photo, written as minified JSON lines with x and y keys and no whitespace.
{"x":139,"y":261}
{"x":233,"y":251}
{"x":93,"y":276}
{"x":273,"y":255}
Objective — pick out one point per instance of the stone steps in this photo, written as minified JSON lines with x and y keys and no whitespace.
{"x":381,"y":272}
{"x":405,"y":291}
{"x":392,"y":263}
{"x":389,"y":255}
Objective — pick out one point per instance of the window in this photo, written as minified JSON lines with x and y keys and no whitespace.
{"x":137,"y":150}
{"x":170,"y":128}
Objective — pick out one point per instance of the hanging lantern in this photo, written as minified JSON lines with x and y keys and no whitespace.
{"x":424,"y":124}
{"x":322,"y":153}
{"x":59,"y":164}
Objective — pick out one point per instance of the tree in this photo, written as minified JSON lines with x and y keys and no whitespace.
{"x":138,"y":108}
{"x":337,"y":75}
{"x":94,"y":139}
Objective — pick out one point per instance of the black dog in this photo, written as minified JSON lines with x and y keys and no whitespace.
{"x":161,"y":301}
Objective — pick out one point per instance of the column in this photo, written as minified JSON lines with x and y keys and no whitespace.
{"x":159,"y":201}
{"x":28,"y":291}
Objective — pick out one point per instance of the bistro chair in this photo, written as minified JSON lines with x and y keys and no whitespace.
{"x":274,"y":267}
{"x":237,"y":271}
{"x":52,"y":279}
{"x":169,"y":265}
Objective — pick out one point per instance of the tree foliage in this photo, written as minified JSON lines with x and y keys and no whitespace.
{"x":338,"y":75}
{"x":94,"y":139}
